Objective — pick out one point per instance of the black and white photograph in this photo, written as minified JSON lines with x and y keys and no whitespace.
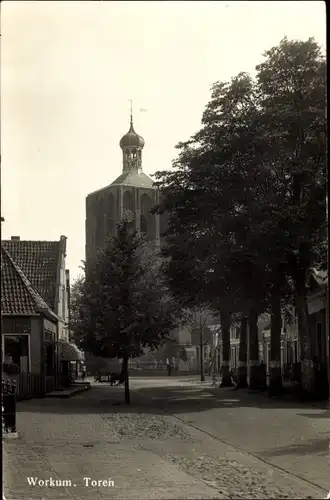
{"x":164,"y":250}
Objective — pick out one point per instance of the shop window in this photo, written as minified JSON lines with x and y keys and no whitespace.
{"x":16,"y":350}
{"x":16,"y":325}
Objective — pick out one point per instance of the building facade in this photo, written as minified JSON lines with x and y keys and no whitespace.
{"x":43,"y":263}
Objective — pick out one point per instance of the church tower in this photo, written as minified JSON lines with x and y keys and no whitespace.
{"x":132,"y":194}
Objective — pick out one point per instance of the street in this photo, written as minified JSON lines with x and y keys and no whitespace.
{"x":177,"y":439}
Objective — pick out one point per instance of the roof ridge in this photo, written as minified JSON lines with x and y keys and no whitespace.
{"x":39,"y":301}
{"x":31,"y":241}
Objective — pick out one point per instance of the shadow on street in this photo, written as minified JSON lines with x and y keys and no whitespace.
{"x":102,"y":398}
{"x":320,"y":446}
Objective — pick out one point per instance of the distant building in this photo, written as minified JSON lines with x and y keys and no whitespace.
{"x":318,"y":310}
{"x":290,"y":351}
{"x":132,"y":194}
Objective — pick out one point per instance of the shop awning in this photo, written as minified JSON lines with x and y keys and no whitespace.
{"x":68,"y":351}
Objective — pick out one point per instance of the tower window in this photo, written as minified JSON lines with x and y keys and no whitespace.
{"x":143,"y":225}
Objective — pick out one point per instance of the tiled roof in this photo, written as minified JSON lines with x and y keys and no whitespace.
{"x":38,"y":261}
{"x":17,"y":293}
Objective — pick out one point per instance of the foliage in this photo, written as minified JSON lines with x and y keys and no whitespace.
{"x":207,"y":197}
{"x":246,"y":200}
{"x":76,"y":297}
{"x":292,"y":83}
{"x":124,"y":304}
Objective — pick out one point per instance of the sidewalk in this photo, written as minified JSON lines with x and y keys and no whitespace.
{"x":71,"y":440}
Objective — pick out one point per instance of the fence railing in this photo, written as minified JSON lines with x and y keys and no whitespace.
{"x":29,"y":385}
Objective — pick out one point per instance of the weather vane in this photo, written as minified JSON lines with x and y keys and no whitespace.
{"x":131,"y":102}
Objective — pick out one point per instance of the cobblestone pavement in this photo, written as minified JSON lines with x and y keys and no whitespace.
{"x":284,"y":435}
{"x":146,"y":453}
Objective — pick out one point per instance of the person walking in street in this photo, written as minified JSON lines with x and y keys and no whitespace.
{"x":174,"y":364}
{"x":169,"y":367}
{"x":210,"y":364}
{"x":83,"y":372}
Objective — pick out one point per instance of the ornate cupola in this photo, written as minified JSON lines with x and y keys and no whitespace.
{"x":132,"y":145}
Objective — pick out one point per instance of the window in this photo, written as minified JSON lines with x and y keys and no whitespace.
{"x":22,"y":325}
{"x":17,"y":351}
{"x":50,"y":359}
{"x":16,"y":325}
{"x":143,"y":225}
{"x":233,"y":357}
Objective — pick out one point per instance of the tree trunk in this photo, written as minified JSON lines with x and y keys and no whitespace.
{"x":275,"y":384}
{"x":126,"y":377}
{"x":307,"y":368}
{"x":242,"y":357}
{"x":254,"y":372}
{"x":201,"y":347}
{"x":225,"y":330}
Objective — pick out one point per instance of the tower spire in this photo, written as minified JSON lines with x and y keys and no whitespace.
{"x":131,"y":112}
{"x":132,"y":145}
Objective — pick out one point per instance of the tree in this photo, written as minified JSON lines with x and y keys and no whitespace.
{"x":125,"y":304}
{"x":195,"y":283}
{"x":248,"y":194}
{"x":292,"y":85}
{"x":198,"y":317}
{"x":76,"y":296}
{"x":210,"y":242}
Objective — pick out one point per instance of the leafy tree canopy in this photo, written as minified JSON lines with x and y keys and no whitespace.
{"x":124,"y":303}
{"x":247,"y":194}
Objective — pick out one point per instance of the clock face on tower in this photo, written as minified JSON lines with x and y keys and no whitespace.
{"x":128,"y":215}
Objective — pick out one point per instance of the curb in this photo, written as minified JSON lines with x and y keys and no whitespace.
{"x":70,"y":394}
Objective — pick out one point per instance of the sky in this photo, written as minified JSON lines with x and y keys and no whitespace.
{"x":68,"y":70}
